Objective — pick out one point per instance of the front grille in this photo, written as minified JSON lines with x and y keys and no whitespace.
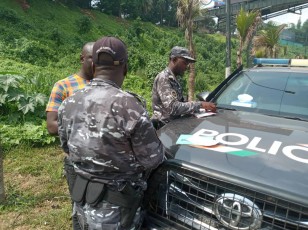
{"x":191,"y":200}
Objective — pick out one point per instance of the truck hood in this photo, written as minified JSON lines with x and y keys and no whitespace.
{"x":267,"y":150}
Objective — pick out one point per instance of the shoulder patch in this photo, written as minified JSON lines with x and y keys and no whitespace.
{"x":174,"y":94}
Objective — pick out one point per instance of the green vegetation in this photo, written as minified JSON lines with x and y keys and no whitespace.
{"x":37,"y":194}
{"x":40,"y":45}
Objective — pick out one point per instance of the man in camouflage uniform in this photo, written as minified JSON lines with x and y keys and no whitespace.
{"x":167,"y":96}
{"x":111,"y":141}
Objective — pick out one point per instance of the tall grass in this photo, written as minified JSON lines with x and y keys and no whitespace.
{"x":36,"y":190}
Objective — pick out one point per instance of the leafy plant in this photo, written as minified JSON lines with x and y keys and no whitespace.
{"x":27,"y":133}
{"x":268,"y":39}
{"x":33,"y":52}
{"x":9,"y":15}
{"x":14,"y":99}
{"x":84,"y":24}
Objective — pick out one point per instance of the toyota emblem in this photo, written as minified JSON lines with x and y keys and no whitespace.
{"x":237,"y":212}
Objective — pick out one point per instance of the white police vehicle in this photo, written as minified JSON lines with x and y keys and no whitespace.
{"x":245,"y":167}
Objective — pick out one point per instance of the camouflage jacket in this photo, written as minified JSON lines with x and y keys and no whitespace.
{"x":167,"y":98}
{"x":107,"y":133}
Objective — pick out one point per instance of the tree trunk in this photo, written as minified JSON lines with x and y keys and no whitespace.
{"x":191,"y":83}
{"x":239,"y":59}
{"x":192,"y":74}
{"x":2,"y":194}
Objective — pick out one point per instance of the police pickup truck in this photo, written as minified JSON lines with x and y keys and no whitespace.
{"x":243,"y":167}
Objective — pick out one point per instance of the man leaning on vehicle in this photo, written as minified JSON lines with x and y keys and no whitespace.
{"x":167,"y":95}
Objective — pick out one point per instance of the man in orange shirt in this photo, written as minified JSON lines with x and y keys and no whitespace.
{"x":61,"y":90}
{"x":67,"y":86}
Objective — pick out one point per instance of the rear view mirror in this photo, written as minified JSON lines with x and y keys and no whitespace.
{"x":203,"y":95}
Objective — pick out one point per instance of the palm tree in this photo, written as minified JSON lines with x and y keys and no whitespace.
{"x":267,"y":41}
{"x":246,"y":24}
{"x":187,"y":10}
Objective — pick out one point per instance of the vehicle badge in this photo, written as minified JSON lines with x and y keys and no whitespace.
{"x":237,"y":212}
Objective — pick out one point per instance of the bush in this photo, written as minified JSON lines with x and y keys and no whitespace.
{"x":56,"y":36}
{"x":9,"y":15}
{"x":28,"y":134}
{"x":84,"y":24}
{"x":16,"y":102}
{"x":33,"y":52}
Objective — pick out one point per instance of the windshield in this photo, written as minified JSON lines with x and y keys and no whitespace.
{"x":273,"y":93}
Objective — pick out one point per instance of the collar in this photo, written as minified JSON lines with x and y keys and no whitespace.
{"x":170,"y":73}
{"x":100,"y":82}
{"x":77,"y":76}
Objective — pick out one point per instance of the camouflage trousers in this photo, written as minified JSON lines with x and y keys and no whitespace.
{"x":104,"y":216}
{"x":70,"y":176}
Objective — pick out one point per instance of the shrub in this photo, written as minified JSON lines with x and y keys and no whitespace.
{"x":83,"y":24}
{"x":33,"y":52}
{"x":9,"y":15}
{"x":15,"y":101}
{"x":27,"y":133}
{"x":56,"y":36}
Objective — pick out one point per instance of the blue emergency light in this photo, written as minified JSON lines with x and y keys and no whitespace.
{"x":271,"y":61}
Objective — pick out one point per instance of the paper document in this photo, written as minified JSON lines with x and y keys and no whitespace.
{"x":186,"y":139}
{"x":204,"y":114}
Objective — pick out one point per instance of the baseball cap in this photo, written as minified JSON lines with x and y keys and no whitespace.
{"x":112,"y":46}
{"x":178,"y":51}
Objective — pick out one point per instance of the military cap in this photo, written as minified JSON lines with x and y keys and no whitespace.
{"x":178,"y":51}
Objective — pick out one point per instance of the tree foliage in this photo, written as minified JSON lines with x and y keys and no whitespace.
{"x":267,"y":40}
{"x":246,"y":24}
{"x":156,"y":11}
{"x":187,"y":10}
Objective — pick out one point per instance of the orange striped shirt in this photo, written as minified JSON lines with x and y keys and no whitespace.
{"x":63,"y":89}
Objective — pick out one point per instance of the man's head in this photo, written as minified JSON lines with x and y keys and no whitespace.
{"x":110,"y":59}
{"x":179,"y":60}
{"x":86,"y":61}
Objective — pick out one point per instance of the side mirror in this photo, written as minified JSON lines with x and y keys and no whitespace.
{"x":203,"y":95}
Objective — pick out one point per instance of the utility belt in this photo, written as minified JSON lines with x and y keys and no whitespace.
{"x":93,"y":192}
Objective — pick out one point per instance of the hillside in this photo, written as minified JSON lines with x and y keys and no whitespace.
{"x":40,"y":43}
{"x":45,"y":40}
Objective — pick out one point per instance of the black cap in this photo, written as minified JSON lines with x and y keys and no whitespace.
{"x":112,"y":46}
{"x":178,"y":51}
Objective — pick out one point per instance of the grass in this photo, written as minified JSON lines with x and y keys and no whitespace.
{"x":36,"y":190}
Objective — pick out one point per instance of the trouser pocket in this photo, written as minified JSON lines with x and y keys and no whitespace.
{"x":79,"y":190}
{"x":95,"y":193}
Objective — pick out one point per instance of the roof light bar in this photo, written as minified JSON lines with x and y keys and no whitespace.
{"x":299,"y":62}
{"x":270,"y":61}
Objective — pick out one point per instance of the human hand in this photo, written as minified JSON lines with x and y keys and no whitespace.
{"x":208,"y":106}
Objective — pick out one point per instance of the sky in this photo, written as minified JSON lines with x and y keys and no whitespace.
{"x":291,"y":17}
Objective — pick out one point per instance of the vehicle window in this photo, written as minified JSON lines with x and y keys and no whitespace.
{"x":296,"y":94}
{"x":268,"y":92}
